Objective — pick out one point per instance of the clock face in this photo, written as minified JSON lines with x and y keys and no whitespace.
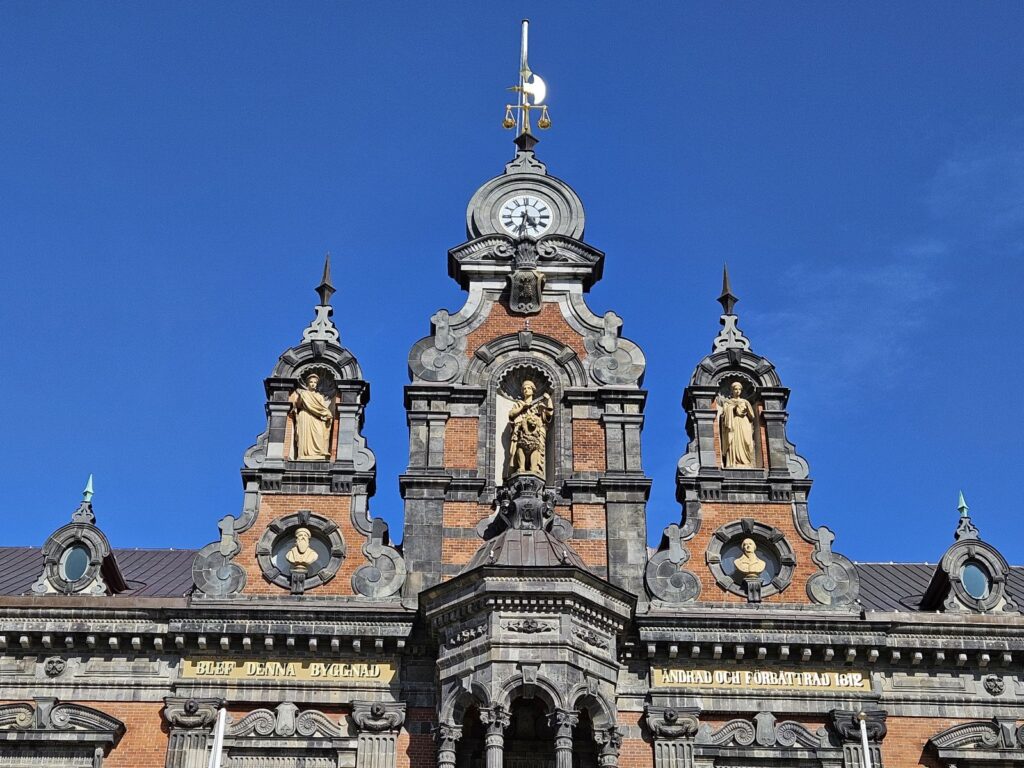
{"x":525,"y":215}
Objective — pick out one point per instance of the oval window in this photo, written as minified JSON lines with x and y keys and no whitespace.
{"x":74,"y":563}
{"x":974,"y":576}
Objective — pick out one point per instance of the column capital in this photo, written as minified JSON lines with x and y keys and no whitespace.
{"x":672,"y":722}
{"x":378,"y":716}
{"x":610,"y":739}
{"x":446,"y":734}
{"x":564,"y":720}
{"x":846,"y":724}
{"x":186,"y":712}
{"x":496,"y":718}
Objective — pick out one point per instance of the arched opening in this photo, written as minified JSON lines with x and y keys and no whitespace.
{"x":469,"y":752}
{"x":584,"y":749}
{"x":529,"y":738}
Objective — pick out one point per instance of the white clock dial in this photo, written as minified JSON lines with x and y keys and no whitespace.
{"x":525,"y":215}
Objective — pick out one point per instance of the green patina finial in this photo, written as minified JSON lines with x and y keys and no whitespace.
{"x":962,"y":505}
{"x":87,"y":494}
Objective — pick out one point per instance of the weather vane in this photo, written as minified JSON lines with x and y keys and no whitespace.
{"x":531,"y":90}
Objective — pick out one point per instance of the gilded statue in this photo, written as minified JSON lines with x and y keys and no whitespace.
{"x":529,"y":418}
{"x":301,"y":556}
{"x":749,"y":565}
{"x":737,"y":428}
{"x":313,"y":419}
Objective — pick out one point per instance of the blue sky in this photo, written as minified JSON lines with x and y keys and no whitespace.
{"x":172,"y":175}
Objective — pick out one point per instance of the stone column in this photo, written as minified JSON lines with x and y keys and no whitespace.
{"x":447,"y":737}
{"x":610,"y":740}
{"x":496,"y":719}
{"x":191,"y":732}
{"x":563,"y":721}
{"x":377,"y":725}
{"x":673,"y":731}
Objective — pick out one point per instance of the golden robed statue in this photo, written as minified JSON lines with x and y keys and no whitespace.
{"x":313,"y":419}
{"x":737,"y":429}
{"x":529,"y":418}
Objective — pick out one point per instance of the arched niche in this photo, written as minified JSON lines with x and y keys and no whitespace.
{"x":749,"y":391}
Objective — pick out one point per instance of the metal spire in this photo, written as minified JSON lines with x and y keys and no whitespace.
{"x":325,"y":290}
{"x":962,"y":506}
{"x":531,"y":90}
{"x":84,"y":513}
{"x":322,"y":328}
{"x":728,"y":299}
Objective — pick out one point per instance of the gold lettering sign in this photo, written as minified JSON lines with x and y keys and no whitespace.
{"x":361,"y":672}
{"x":761,"y":679}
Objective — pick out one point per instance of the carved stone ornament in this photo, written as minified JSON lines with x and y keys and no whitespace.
{"x":285,"y":721}
{"x":764,"y":731}
{"x":526,"y":287}
{"x":846,"y":724}
{"x":54,"y":666}
{"x":672,"y":722}
{"x":665,"y":576}
{"x":979,"y":736}
{"x":182,"y":712}
{"x":590,"y":637}
{"x":378,"y":717}
{"x":529,"y":626}
{"x":611,"y":359}
{"x":994,"y":684}
{"x":24,"y":722}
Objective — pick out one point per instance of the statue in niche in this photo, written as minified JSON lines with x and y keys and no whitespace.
{"x":529,"y":418}
{"x":749,"y":565}
{"x":737,"y":428}
{"x":313,"y":419}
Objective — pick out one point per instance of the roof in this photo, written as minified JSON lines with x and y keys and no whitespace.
{"x":149,"y":572}
{"x":900,"y":586}
{"x":168,"y":572}
{"x":516,"y":547}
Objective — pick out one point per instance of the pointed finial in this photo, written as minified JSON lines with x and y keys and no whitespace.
{"x":962,"y":505}
{"x":87,"y":494}
{"x":728,"y":299}
{"x":325,"y":290}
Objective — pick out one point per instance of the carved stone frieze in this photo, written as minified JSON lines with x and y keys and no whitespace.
{"x":529,"y":626}
{"x":764,"y":731}
{"x":284,"y":721}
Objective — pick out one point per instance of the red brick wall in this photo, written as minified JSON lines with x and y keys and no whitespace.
{"x":903,"y":746}
{"x":416,"y":750}
{"x":588,"y":453}
{"x":460,"y":442}
{"x":144,"y":744}
{"x":333,"y":507}
{"x":715,"y":515}
{"x":548,"y":322}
